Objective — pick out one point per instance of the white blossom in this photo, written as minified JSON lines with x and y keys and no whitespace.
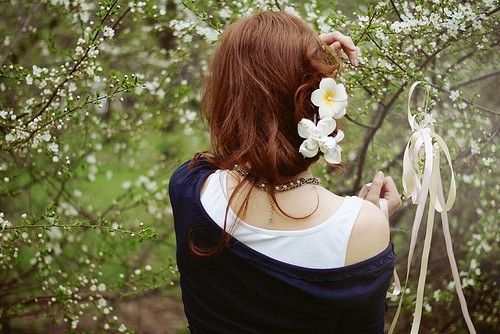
{"x":108,"y":32}
{"x":37,"y":71}
{"x":101,"y":302}
{"x":454,"y":94}
{"x":53,"y":147}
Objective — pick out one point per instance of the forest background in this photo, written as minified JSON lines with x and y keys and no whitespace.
{"x":99,"y":102}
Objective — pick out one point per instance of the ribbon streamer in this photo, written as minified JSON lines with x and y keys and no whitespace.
{"x":425,"y":146}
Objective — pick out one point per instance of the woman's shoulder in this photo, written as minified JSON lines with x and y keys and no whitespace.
{"x":190,"y":172}
{"x":370,"y":234}
{"x":192,"y":168}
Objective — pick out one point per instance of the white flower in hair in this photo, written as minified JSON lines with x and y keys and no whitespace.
{"x":330,"y":148}
{"x":331,"y":98}
{"x":317,"y":138}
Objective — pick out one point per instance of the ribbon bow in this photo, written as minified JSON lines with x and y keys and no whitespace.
{"x":419,"y":182}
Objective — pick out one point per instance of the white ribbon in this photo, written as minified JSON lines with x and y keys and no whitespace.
{"x":384,"y":207}
{"x":419,"y":183}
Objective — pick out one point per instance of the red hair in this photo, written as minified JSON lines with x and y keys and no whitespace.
{"x":257,"y":89}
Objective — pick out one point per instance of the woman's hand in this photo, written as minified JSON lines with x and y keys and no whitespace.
{"x":338,"y":41}
{"x":382,"y":188}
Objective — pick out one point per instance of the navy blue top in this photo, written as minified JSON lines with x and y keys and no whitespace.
{"x":240,"y":291}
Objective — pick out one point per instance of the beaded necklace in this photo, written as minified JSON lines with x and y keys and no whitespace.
{"x":292,"y":184}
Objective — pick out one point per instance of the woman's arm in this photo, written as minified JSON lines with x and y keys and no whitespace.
{"x":369,"y":235}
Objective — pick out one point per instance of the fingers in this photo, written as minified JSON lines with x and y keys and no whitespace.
{"x":344,"y":40}
{"x":382,"y":188}
{"x":374,"y":191}
{"x":352,"y":55}
{"x":336,"y":46}
{"x":364,"y":191}
{"x":339,"y":41}
{"x":391,"y":194}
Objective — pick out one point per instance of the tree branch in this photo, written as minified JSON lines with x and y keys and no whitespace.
{"x":396,"y":10}
{"x":469,"y":102}
{"x":385,"y":54}
{"x":466,"y":154}
{"x":369,"y":137}
{"x":358,"y":123}
{"x":277,"y":5}
{"x":195,"y":12}
{"x":79,"y":62}
{"x":476,"y":79}
{"x":20,"y":33}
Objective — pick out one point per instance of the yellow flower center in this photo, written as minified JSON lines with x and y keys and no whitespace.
{"x":329,"y":97}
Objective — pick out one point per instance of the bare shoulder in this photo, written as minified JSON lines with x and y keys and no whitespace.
{"x":370,"y":234}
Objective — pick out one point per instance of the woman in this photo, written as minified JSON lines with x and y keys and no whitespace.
{"x":261,"y":246}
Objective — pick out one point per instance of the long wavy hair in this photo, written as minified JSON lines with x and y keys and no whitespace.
{"x":257,"y":89}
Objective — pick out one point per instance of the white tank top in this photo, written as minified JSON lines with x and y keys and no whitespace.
{"x":319,"y":247}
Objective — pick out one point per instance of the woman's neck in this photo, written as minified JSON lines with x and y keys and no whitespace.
{"x":298,"y":180}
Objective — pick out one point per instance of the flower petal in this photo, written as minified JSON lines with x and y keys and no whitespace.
{"x":309,"y":148}
{"x":327,"y":144}
{"x":305,"y":128}
{"x":326,"y":111}
{"x":327,"y":84}
{"x":340,"y":93}
{"x":317,"y":97}
{"x":333,"y":156}
{"x":331,"y":151}
{"x":326,"y":126}
{"x":338,"y":109}
{"x":339,"y":136}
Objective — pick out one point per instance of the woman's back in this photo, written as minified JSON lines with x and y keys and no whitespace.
{"x":342,"y":230}
{"x":239,"y":290}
